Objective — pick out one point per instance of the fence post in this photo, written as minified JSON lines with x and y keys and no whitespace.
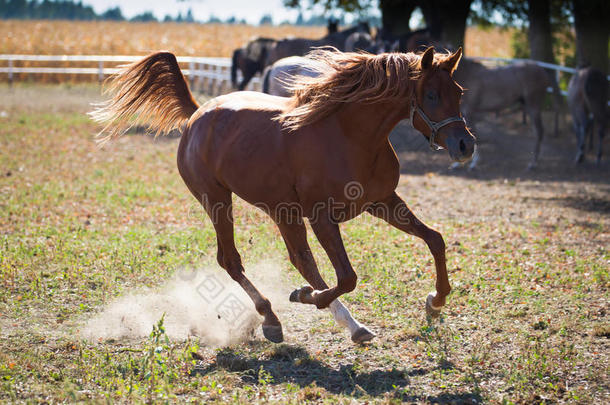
{"x":211,"y":80}
{"x":201,"y":74}
{"x":218,"y":79}
{"x":191,"y":74}
{"x":10,"y":72}
{"x":557,"y":78}
{"x":100,"y":73}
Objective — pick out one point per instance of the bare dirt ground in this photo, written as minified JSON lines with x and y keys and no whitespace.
{"x":504,"y":190}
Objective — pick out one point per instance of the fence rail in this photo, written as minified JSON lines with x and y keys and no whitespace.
{"x":210,"y":75}
{"x":206,"y":74}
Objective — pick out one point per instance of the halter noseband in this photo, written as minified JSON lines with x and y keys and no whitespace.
{"x":434,"y":126}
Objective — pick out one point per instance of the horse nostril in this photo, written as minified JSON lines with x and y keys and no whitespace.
{"x":462,"y":146}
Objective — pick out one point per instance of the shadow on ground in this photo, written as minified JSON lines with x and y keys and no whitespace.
{"x":293,"y":364}
{"x":506,"y":147}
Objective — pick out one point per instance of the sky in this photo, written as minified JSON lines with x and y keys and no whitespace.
{"x":250,"y":10}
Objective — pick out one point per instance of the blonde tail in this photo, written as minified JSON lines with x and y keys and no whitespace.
{"x":152,"y":92}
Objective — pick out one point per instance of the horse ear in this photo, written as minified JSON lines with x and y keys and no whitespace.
{"x":451,"y":63}
{"x":427,"y":58}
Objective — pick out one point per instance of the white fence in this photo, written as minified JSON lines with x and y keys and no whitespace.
{"x":210,"y":75}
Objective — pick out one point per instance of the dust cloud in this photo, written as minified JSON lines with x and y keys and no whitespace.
{"x":205,"y":303}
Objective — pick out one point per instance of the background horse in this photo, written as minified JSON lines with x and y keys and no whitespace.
{"x":251,"y":59}
{"x":588,"y":95}
{"x":363,"y":41}
{"x":278,"y":78}
{"x":322,"y":154}
{"x":494,"y":89}
{"x":413,"y":41}
{"x":301,"y":46}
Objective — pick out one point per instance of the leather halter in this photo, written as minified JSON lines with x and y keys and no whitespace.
{"x":433,"y":125}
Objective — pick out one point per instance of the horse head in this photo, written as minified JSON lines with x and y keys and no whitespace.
{"x":435,"y":108}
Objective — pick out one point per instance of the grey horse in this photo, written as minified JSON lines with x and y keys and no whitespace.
{"x":588,"y":96}
{"x":494,"y":89}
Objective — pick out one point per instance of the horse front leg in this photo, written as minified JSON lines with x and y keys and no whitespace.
{"x":295,"y":236}
{"x":329,"y":236}
{"x":539,"y":129}
{"x":394,"y":211}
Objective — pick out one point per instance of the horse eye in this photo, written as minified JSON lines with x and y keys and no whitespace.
{"x":431,"y":96}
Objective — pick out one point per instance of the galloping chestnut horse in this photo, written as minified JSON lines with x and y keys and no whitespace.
{"x":322,"y":154}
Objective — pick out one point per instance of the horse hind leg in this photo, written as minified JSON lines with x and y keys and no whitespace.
{"x":589,"y":132}
{"x":295,"y":237}
{"x":580,"y":123}
{"x":221,"y":213}
{"x":539,"y":129}
{"x":601,"y":132}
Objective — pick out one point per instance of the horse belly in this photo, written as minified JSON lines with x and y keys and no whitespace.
{"x":250,"y":161}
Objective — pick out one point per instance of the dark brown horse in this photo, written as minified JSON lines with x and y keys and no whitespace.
{"x":414,"y":41}
{"x":250,"y":60}
{"x":322,"y":154}
{"x":300,"y":46}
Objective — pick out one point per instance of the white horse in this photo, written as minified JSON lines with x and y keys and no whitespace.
{"x":278,"y":77}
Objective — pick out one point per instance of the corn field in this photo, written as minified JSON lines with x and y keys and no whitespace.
{"x":123,"y":38}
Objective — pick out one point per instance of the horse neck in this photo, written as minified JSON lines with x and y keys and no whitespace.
{"x":371,"y":124}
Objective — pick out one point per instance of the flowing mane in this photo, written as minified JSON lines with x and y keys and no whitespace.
{"x":347,"y":78}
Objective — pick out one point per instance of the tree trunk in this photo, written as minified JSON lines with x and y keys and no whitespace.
{"x":446,"y":19}
{"x":591,"y":24}
{"x":539,"y":34}
{"x":395,"y":16}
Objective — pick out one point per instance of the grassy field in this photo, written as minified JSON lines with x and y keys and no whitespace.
{"x":527,"y":321}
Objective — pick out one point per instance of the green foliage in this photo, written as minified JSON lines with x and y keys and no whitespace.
{"x":54,"y":10}
{"x":346,"y":5}
{"x":519,"y":44}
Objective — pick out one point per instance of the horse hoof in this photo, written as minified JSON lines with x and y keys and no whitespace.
{"x":296,"y":294}
{"x":273,"y":333}
{"x":362,"y":334}
{"x":431,"y":310}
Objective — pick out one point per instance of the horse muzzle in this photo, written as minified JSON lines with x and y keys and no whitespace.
{"x":460,"y":144}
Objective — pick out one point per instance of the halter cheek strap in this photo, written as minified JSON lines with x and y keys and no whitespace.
{"x":433,"y":125}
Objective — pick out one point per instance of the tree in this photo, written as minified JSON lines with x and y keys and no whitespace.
{"x":591,"y":23}
{"x":146,"y":16}
{"x":189,"y":16}
{"x":446,"y":19}
{"x":539,"y":33}
{"x":114,"y":14}
{"x":266,"y":20}
{"x":395,"y":16}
